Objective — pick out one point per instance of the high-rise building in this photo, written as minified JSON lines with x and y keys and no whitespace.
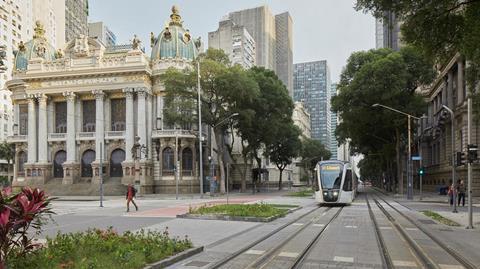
{"x":333,"y":122}
{"x":100,"y":31}
{"x":76,"y":14}
{"x":273,"y":37}
{"x":284,"y":49}
{"x":387,"y":32}
{"x":311,"y":84}
{"x":235,"y":41}
{"x":51,"y":15}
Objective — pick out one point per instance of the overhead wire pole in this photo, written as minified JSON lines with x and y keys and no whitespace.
{"x":454,"y":194}
{"x":200,"y":150}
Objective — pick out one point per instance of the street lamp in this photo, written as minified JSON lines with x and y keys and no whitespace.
{"x":137,"y":151}
{"x":452,"y":119}
{"x":200,"y":149}
{"x":409,"y":162}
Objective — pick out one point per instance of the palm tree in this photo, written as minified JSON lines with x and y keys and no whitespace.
{"x":7,"y":152}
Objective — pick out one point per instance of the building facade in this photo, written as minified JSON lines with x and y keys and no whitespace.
{"x":284,"y":49}
{"x":89,"y":107}
{"x":301,"y":119}
{"x":76,"y":18}
{"x":387,"y":32}
{"x":434,"y":136}
{"x":311,"y":84}
{"x":235,"y":41}
{"x":101,"y":32}
{"x":333,"y":124}
{"x":51,"y":14}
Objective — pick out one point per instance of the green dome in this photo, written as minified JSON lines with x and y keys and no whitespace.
{"x":38,"y":47}
{"x":174,"y":41}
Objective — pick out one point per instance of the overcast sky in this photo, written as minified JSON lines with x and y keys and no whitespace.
{"x":322,"y":29}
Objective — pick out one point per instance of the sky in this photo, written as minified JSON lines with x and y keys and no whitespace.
{"x":322,"y":29}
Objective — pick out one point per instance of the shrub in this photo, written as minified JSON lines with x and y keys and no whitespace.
{"x":20,"y":213}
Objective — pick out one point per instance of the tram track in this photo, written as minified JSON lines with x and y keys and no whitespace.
{"x":243,"y":250}
{"x":422,"y":256}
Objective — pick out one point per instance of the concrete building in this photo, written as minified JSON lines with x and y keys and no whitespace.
{"x":301,"y":118}
{"x":51,"y":14}
{"x":387,"y":32}
{"x":76,"y":18}
{"x":101,"y":32}
{"x":333,"y":123}
{"x":448,"y":89}
{"x":108,"y":107}
{"x":235,"y":41}
{"x":311,"y":84}
{"x":284,"y":49}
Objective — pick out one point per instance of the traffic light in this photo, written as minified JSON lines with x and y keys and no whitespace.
{"x":421,"y":171}
{"x":460,"y":160}
{"x":3,"y":57}
{"x":472,"y":153}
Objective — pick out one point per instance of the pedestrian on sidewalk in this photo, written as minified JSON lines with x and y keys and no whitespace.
{"x":461,"y":192}
{"x":131,"y":193}
{"x":450,"y":194}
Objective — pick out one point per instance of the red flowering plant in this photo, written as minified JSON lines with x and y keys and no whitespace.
{"x":21,"y":213}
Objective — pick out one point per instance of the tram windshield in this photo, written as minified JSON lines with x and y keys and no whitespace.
{"x":331,"y":176}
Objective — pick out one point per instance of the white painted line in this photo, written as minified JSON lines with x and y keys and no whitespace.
{"x":351,"y":227}
{"x":288,"y":254}
{"x":411,"y":229}
{"x":404,"y":263}
{"x":343,"y":259}
{"x":297,"y":224}
{"x":255,"y":252}
{"x":450,"y":266}
{"x":318,"y":225}
{"x":385,"y":228}
{"x":324,"y":213}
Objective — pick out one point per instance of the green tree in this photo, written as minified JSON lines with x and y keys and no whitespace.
{"x":312,"y":152}
{"x":223,"y":86}
{"x":287,"y":146}
{"x":388,"y":78}
{"x":439,"y":28}
{"x":7,"y":152}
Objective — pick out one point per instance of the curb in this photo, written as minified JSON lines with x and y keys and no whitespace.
{"x":175,"y":258}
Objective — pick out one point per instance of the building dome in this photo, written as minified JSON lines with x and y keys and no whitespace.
{"x":38,"y":47}
{"x":174,"y":41}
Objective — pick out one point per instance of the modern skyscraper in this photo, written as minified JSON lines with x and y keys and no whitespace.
{"x":311,"y":84}
{"x":51,"y":15}
{"x":387,"y":32}
{"x":76,"y":14}
{"x":235,"y":41}
{"x":333,"y":122}
{"x":273,"y":46}
{"x":100,"y":31}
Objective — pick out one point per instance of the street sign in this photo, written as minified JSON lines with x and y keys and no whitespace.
{"x":416,"y":158}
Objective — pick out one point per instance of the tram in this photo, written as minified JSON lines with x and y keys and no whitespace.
{"x":336,"y":183}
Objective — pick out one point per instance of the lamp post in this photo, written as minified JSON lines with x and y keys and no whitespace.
{"x":137,"y":151}
{"x":452,"y":119}
{"x":409,"y":161}
{"x":200,"y":150}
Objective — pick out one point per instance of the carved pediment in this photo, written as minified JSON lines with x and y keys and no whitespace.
{"x":83,"y":46}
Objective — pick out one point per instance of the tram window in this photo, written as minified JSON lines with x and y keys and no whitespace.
{"x":347,"y":184}
{"x":331,"y":176}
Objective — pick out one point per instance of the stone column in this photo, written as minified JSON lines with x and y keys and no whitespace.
{"x":99,"y":125}
{"x":450,"y":93}
{"x":460,"y":82}
{"x":16,"y":117}
{"x":42,"y":129}
{"x":141,"y":117}
{"x":32,"y":130}
{"x":129,"y":124}
{"x":149,"y":125}
{"x":71,"y":134}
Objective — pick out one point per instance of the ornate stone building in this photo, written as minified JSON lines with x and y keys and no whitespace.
{"x":84,"y":105}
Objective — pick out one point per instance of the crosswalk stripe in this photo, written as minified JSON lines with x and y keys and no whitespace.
{"x":404,"y":263}
{"x":255,"y":252}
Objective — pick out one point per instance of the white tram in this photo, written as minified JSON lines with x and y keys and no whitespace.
{"x":336,"y":183}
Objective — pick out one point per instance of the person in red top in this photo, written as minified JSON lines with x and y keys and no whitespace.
{"x":131,"y":193}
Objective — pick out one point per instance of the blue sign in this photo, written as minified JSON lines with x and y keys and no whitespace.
{"x":416,"y":158}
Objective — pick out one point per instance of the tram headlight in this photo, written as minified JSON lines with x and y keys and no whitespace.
{"x":335,"y":193}
{"x":325,"y":193}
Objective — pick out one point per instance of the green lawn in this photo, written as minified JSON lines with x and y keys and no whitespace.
{"x":243,"y":210}
{"x":103,"y":249}
{"x":302,"y":193}
{"x":440,"y":218}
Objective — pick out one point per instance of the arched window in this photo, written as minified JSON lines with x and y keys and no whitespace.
{"x":187,"y":162}
{"x":22,"y":159}
{"x":60,"y":158}
{"x":87,"y":158}
{"x":168,"y":162}
{"x":116,"y":159}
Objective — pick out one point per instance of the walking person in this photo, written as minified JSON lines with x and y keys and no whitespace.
{"x":450,"y":194}
{"x":461,"y":192}
{"x":131,"y":193}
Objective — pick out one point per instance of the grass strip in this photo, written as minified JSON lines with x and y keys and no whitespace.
{"x":440,"y":218}
{"x":301,"y":193}
{"x":260,"y":210}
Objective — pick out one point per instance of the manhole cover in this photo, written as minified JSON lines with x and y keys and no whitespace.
{"x":427,"y":221}
{"x":197,"y":263}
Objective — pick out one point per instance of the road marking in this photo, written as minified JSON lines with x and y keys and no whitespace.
{"x":351,"y":227}
{"x":288,"y":254}
{"x":255,"y":252}
{"x":385,"y":228}
{"x":318,"y":225}
{"x":450,"y":266}
{"x":404,"y":263}
{"x":343,"y":259}
{"x":411,"y":229}
{"x":324,"y":213}
{"x":297,"y":224}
